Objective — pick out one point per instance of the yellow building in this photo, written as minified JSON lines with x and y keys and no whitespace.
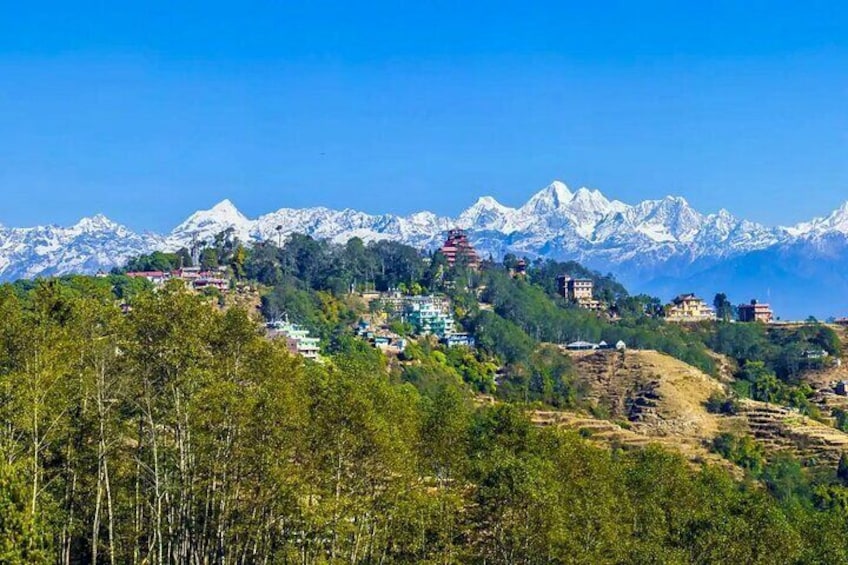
{"x":688,"y":308}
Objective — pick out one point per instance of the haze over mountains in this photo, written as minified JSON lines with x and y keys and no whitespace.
{"x":662,"y":247}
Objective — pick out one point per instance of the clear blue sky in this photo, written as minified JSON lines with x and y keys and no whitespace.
{"x":147,"y":113}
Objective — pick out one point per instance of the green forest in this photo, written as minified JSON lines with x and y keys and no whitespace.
{"x":145,"y":425}
{"x":177,"y":433}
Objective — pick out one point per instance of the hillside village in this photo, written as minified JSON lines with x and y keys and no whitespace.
{"x":391,"y":319}
{"x":421,"y":315}
{"x":395,"y":316}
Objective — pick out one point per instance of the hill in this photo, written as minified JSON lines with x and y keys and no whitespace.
{"x":646,"y":397}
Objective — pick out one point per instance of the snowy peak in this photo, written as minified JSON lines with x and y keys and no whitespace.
{"x":96,"y":223}
{"x":89,"y":245}
{"x":669,"y":219}
{"x":225,"y":208}
{"x":725,"y":214}
{"x":225,"y":212}
{"x":549,"y":199}
{"x":487,"y":203}
{"x":836,"y":221}
{"x":486,"y":214}
{"x":592,"y":201}
{"x":583,"y":218}
{"x":205,"y":224}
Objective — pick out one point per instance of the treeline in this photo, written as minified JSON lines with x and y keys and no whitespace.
{"x":337,"y":268}
{"x":177,"y":433}
{"x":786,"y":351}
{"x":115,"y":285}
{"x":223,"y":250}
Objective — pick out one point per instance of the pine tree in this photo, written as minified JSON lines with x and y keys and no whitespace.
{"x":842,"y":469}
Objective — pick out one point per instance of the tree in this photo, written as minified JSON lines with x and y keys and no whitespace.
{"x":724,"y":309}
{"x":184,"y":256}
{"x":509,"y":261}
{"x":238,"y":260}
{"x":263,"y":264}
{"x":742,"y":450}
{"x":208,"y":259}
{"x":157,"y":261}
{"x":20,"y":536}
{"x":842,"y":469}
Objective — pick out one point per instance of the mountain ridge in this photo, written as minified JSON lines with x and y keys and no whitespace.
{"x":662,"y":239}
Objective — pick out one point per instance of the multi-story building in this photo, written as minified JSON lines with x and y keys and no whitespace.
{"x":457,"y":339}
{"x":755,"y":312}
{"x":193,"y":277}
{"x":688,"y":308}
{"x":395,"y":302}
{"x":188,"y":273}
{"x":457,"y":246}
{"x":298,"y":340}
{"x":427,"y":317}
{"x":575,"y":290}
{"x":578,"y":291}
{"x":214,"y":282}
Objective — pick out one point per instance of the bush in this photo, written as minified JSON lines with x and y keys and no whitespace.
{"x":719,"y":403}
{"x":742,"y":450}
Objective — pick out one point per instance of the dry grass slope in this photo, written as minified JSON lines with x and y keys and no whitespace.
{"x":653,"y":398}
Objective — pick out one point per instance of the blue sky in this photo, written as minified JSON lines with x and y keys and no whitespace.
{"x":149,"y":111}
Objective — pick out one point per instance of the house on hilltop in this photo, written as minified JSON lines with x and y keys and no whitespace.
{"x":689,"y":308}
{"x":156,"y":277}
{"x":755,"y":312}
{"x":520,"y":269}
{"x":578,"y":291}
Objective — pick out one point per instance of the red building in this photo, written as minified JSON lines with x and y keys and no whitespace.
{"x":755,"y":312}
{"x":457,"y":245}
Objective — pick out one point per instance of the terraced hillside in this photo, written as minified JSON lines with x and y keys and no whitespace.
{"x":784,"y":430}
{"x":648,"y":397}
{"x":623,"y":435}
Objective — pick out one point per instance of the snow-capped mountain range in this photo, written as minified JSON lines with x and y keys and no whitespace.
{"x":655,"y":246}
